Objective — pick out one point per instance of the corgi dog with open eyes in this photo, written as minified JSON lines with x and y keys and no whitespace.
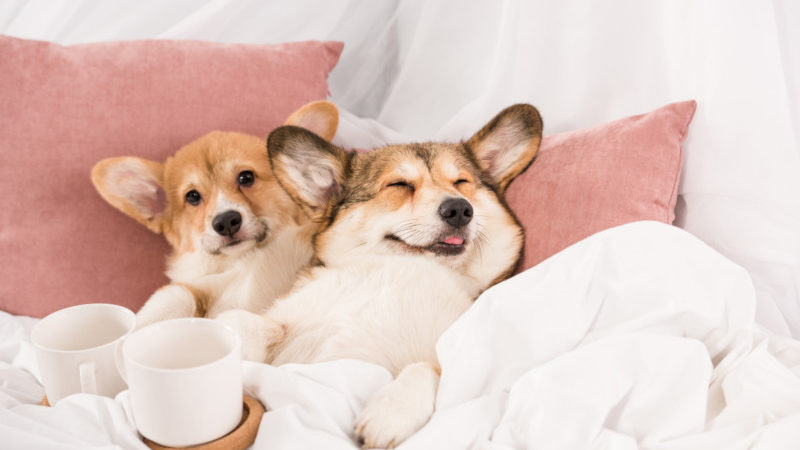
{"x":238,"y":240}
{"x":409,"y":235}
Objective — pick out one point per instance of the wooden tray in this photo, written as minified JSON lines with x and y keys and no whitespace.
{"x":240,"y":438}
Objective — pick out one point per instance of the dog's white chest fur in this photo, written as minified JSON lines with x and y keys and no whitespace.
{"x":249,"y":280}
{"x":389,"y":310}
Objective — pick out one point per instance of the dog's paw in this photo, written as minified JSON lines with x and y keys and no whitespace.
{"x":390,"y":418}
{"x":169,"y":302}
{"x":253,"y":330}
{"x":398,"y":410}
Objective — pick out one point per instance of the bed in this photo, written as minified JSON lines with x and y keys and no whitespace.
{"x":672,"y":334}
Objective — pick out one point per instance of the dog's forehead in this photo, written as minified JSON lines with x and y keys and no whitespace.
{"x":217,"y":154}
{"x":413,"y":160}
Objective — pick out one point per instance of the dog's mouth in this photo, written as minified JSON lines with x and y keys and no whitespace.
{"x":259,"y":238}
{"x":236,"y":241}
{"x":449,"y":244}
{"x":233,"y":243}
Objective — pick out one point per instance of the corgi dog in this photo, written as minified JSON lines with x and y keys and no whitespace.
{"x":409,"y":236}
{"x":238,"y":240}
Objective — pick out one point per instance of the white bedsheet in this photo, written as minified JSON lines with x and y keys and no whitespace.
{"x":638,"y":337}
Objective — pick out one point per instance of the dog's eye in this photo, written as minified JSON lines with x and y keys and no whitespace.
{"x":193,"y":197}
{"x":246,"y":178}
{"x":460,"y":181}
{"x":401,"y":184}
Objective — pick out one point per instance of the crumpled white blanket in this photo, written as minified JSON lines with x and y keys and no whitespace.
{"x":640,"y":336}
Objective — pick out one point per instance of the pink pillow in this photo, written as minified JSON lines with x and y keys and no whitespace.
{"x":585,"y":181}
{"x":62,"y":109}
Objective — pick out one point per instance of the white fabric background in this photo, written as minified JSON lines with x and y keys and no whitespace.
{"x":415,"y":69}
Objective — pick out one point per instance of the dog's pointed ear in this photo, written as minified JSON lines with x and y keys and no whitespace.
{"x":309,"y":168}
{"x":320,"y":117}
{"x":133,"y":186}
{"x":506,"y":145}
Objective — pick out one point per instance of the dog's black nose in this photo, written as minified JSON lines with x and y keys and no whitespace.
{"x":227,"y":223}
{"x":457,"y":212}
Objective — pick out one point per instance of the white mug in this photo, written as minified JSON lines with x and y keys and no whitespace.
{"x":76,"y":346}
{"x":185,"y":380}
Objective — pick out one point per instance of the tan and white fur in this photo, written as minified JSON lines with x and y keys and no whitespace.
{"x":409,"y":236}
{"x":238,"y":240}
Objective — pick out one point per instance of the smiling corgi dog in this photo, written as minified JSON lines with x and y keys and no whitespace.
{"x":238,"y":240}
{"x":409,"y":236}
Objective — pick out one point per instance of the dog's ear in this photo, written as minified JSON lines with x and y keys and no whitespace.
{"x":506,"y":145}
{"x":133,"y":186}
{"x":320,"y":117}
{"x":310,"y":169}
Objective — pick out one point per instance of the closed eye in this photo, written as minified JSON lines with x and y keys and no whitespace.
{"x":402,"y":184}
{"x":460,"y":181}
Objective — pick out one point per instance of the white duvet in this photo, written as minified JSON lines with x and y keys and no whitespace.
{"x":637,"y":337}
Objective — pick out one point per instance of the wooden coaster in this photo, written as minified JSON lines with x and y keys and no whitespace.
{"x":240,"y":438}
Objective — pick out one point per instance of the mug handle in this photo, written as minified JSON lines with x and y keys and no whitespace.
{"x":120,"y":360}
{"x":88,"y":378}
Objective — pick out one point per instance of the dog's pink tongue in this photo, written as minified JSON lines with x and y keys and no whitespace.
{"x":454,"y":240}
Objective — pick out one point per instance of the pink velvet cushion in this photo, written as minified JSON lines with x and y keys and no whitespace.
{"x":62,"y":109}
{"x":585,"y":181}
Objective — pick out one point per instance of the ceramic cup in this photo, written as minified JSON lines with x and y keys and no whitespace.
{"x":185,"y":380}
{"x":76,"y":346}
